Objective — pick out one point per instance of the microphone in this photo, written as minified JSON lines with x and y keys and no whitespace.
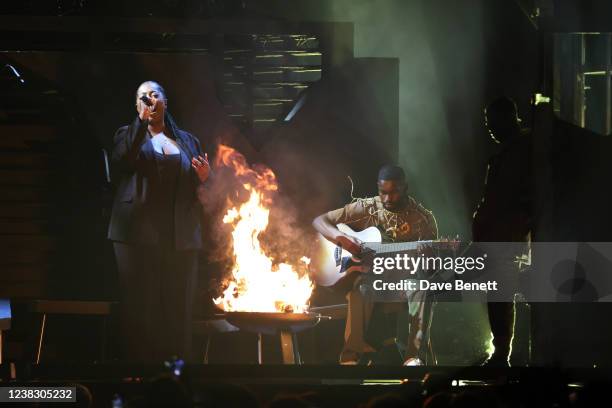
{"x":146,"y":100}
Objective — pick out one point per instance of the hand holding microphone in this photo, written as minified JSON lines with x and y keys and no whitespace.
{"x":150,"y":109}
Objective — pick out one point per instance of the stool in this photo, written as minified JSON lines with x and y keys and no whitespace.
{"x":5,"y":321}
{"x":71,"y":307}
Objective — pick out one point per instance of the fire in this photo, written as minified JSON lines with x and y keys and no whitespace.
{"x":257,"y":284}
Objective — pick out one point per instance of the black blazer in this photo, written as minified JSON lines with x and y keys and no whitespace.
{"x":134,"y":168}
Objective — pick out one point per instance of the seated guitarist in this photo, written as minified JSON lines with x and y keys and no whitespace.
{"x":401,"y":219}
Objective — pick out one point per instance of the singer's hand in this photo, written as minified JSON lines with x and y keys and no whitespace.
{"x":151,"y":113}
{"x":201,"y":167}
{"x":143,"y":111}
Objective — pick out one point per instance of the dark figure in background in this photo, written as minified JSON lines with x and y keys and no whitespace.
{"x":504,"y":214}
{"x":402,"y":219}
{"x":155,"y":228}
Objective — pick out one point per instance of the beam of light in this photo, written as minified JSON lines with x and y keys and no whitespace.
{"x":296,"y":108}
{"x":15,"y":72}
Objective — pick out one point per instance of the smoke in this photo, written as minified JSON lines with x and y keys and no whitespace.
{"x":429,"y":147}
{"x":286,"y":239}
{"x":453,"y":58}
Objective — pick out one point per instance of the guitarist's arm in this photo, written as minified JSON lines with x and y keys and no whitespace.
{"x":326,"y":226}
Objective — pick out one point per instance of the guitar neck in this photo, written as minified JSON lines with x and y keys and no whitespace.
{"x":380,"y":248}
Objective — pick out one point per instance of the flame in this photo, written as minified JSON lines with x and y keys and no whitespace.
{"x":257,"y":284}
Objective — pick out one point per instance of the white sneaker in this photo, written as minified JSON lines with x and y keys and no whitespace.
{"x":413,"y":362}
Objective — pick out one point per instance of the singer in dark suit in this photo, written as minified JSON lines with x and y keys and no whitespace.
{"x":160,"y":173}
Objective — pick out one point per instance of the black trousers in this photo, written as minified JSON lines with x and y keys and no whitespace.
{"x":157,"y":288}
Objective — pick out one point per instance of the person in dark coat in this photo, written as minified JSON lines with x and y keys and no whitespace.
{"x":504,"y":215}
{"x":159,"y":171}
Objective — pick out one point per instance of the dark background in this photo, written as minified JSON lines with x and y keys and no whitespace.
{"x":402,"y":81}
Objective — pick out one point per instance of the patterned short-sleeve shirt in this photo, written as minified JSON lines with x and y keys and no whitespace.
{"x":413,"y":223}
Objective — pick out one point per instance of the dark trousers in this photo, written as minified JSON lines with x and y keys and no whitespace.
{"x":157,"y":287}
{"x":502,"y":314}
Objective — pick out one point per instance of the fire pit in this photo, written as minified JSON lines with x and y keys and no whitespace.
{"x":287,"y":325}
{"x":269,"y":289}
{"x":272,"y":323}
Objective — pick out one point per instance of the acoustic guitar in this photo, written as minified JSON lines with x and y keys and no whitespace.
{"x":330,"y":263}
